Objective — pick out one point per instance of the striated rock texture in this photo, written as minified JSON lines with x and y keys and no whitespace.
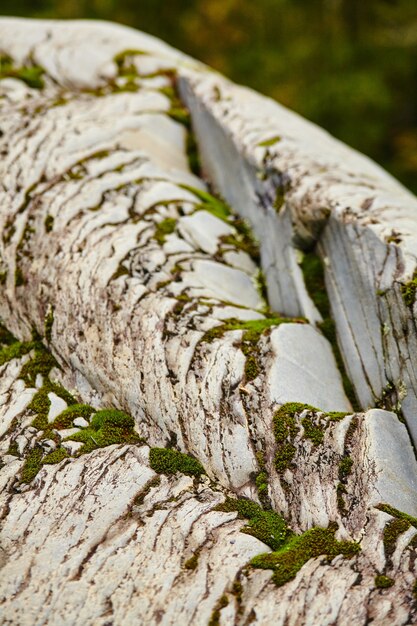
{"x":208,"y":361}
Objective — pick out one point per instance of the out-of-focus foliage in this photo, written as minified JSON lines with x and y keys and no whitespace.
{"x":349,"y":65}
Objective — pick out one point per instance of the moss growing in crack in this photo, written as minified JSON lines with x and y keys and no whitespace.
{"x":287,"y":561}
{"x":287,"y":427}
{"x":253,"y":329}
{"x":313,"y":272}
{"x":312,"y":432}
{"x":267,"y":526}
{"x":140,"y":498}
{"x":383,"y":582}
{"x":66,"y":418}
{"x":192,"y":562}
{"x":164,"y":228}
{"x":261,"y":481}
{"x":13,"y":449}
{"x":392,"y":531}
{"x":215,"y":616}
{"x":168,"y":461}
{"x":32,"y":465}
{"x":121,"y":271}
{"x":389,"y":400}
{"x":49,"y":320}
{"x":285,"y":430}
{"x":49,"y":223}
{"x":409,"y":291}
{"x":19,"y":279}
{"x":55,"y":457}
{"x":279,"y":198}
{"x":191,"y":148}
{"x":345,"y":467}
{"x":414,"y":591}
{"x":108,"y":427}
{"x":32,"y":75}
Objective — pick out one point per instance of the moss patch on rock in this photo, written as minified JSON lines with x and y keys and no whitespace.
{"x":288,"y":560}
{"x":108,"y":427}
{"x":267,"y":526}
{"x":169,"y":461}
{"x":409,"y":291}
{"x":32,"y":75}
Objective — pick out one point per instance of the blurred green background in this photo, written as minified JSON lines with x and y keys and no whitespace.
{"x":348,"y":65}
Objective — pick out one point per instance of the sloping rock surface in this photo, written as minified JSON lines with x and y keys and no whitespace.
{"x":208,"y":389}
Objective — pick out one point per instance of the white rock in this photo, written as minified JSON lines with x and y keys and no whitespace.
{"x":80,"y":422}
{"x":57,"y":406}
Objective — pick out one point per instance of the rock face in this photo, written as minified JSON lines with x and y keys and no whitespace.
{"x":206,"y":409}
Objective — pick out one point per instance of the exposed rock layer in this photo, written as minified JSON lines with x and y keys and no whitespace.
{"x":147,"y":291}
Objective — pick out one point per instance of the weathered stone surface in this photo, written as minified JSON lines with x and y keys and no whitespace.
{"x":147,"y":291}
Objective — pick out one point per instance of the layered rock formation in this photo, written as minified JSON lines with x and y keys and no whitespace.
{"x":208,"y":363}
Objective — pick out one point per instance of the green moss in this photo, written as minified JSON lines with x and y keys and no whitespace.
{"x":409,"y":291}
{"x":30,"y":74}
{"x":287,"y":427}
{"x":383,"y":582}
{"x":192,"y":562}
{"x":279,"y":198}
{"x":113,"y":418}
{"x":192,"y":154}
{"x":288,"y":560}
{"x":66,"y":418}
{"x":19,"y":279}
{"x":55,"y":457}
{"x":387,"y":508}
{"x":15,"y":350}
{"x":49,"y":223}
{"x":210,"y":203}
{"x":345,"y":467}
{"x":140,"y":498}
{"x":49,"y":320}
{"x":41,"y":363}
{"x":168,"y":461}
{"x":3,"y":277}
{"x":215,"y":616}
{"x":267,"y":526}
{"x":164,"y":228}
{"x":108,"y":427}
{"x":311,"y":431}
{"x":253,"y":329}
{"x":313,"y":272}
{"x":285,"y":430}
{"x":284,"y":457}
{"x":13,"y":449}
{"x":261,"y":483}
{"x":260,"y":282}
{"x":414,"y":591}
{"x":6,"y":337}
{"x":269,"y":142}
{"x":341,"y":504}
{"x":389,"y":401}
{"x":32,"y":465}
{"x":121,"y":271}
{"x":40,"y":403}
{"x":392,"y":531}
